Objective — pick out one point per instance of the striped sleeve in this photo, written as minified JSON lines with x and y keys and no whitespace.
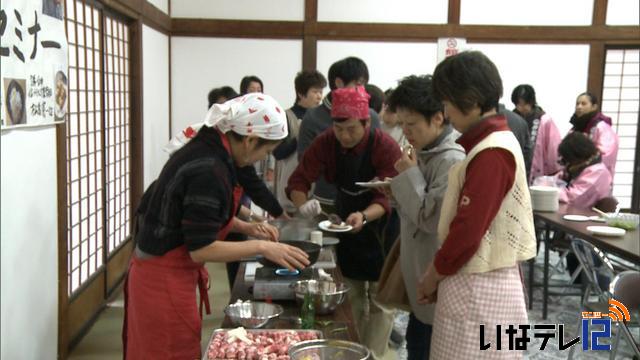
{"x":206,"y":206}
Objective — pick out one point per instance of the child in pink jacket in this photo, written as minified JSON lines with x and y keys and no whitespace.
{"x":588,"y":179}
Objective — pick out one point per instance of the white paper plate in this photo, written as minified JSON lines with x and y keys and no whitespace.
{"x":606,"y":230}
{"x":374,"y":184}
{"x":596,"y":218}
{"x":324,"y":225}
{"x":576,"y":218}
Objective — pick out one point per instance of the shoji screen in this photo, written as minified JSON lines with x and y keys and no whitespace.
{"x":97,"y":139}
{"x":620,"y":101}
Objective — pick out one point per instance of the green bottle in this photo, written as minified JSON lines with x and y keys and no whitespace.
{"x":308,"y":312}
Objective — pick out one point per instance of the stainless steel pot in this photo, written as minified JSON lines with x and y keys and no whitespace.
{"x":295,"y":229}
{"x":328,"y":349}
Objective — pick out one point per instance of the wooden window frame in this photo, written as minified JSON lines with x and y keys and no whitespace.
{"x":77,"y":313}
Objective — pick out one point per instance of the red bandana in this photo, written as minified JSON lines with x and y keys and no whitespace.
{"x":350,"y":103}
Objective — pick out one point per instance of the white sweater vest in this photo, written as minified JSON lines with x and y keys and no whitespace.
{"x":511,"y":235}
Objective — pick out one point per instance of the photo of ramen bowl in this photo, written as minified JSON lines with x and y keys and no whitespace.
{"x":15,"y":102}
{"x":60,"y":95}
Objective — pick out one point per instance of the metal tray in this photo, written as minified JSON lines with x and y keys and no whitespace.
{"x":216,"y":331}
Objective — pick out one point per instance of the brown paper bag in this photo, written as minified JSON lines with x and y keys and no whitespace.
{"x":391,"y":289}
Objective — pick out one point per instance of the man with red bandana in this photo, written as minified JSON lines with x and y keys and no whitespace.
{"x":349,"y":152}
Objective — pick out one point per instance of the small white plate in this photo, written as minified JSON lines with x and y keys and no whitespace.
{"x":374,"y":184}
{"x":606,"y":230}
{"x":576,"y":218}
{"x":329,"y":241}
{"x":325,"y":225}
{"x":596,"y":218}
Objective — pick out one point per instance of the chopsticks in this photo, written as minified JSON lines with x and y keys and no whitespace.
{"x":600,"y":212}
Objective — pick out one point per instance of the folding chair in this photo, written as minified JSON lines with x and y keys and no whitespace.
{"x":596,"y":266}
{"x":624,"y":288}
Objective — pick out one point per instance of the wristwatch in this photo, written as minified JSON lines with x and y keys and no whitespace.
{"x":364,"y":217}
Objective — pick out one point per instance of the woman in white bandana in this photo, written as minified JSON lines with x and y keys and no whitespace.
{"x":181,"y":219}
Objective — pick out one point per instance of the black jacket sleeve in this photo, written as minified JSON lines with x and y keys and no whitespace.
{"x":519,"y":127}
{"x":285,"y":149}
{"x":257,"y":190}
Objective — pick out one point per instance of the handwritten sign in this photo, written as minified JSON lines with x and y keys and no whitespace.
{"x":34,"y":64}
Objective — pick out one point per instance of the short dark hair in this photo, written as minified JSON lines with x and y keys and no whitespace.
{"x":225,"y":92}
{"x":415,"y":93}
{"x":307,"y":79}
{"x":592,"y":97}
{"x":348,"y":69}
{"x":261,"y":141}
{"x":468,"y":79}
{"x":376,"y":97}
{"x":244,"y":83}
{"x":576,"y":147}
{"x":524,"y":92}
{"x":387,"y":94}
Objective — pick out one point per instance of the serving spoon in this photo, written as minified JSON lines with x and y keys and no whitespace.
{"x":333,"y":218}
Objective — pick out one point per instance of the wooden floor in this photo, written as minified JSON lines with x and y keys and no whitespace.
{"x":104,"y":341}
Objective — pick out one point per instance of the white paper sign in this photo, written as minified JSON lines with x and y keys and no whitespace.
{"x":450,"y":46}
{"x":34,"y":63}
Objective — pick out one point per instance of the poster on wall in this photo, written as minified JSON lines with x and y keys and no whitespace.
{"x":450,"y":46}
{"x":34,"y":64}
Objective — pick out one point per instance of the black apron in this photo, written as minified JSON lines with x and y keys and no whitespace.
{"x":360,"y":256}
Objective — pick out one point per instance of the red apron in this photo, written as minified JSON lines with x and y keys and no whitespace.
{"x":161,"y":313}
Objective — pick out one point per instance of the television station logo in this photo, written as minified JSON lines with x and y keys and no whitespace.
{"x":595,"y":326}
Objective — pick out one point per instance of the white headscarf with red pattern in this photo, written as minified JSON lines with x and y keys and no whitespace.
{"x":251,"y":114}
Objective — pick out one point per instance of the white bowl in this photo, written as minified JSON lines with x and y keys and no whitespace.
{"x":544,"y":198}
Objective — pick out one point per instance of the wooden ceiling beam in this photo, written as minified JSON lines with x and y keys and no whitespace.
{"x":237,"y":28}
{"x":476,"y":33}
{"x":402,"y":32}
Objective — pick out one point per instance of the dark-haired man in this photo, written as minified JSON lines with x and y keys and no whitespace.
{"x":349,"y":152}
{"x":348,"y":72}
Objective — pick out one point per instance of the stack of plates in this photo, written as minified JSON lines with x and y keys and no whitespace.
{"x":544,"y":198}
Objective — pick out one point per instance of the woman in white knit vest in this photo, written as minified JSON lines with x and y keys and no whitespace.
{"x":486,"y":224}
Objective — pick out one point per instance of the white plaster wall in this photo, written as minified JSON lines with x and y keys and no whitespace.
{"x":623,"y":12}
{"x":558,"y":73}
{"x":29,"y":250}
{"x":201,"y":64}
{"x":161,"y":4}
{"x":526,"y":12}
{"x":388,"y":62}
{"x":155,"y":90}
{"x":384,"y":11}
{"x":290,"y":10}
